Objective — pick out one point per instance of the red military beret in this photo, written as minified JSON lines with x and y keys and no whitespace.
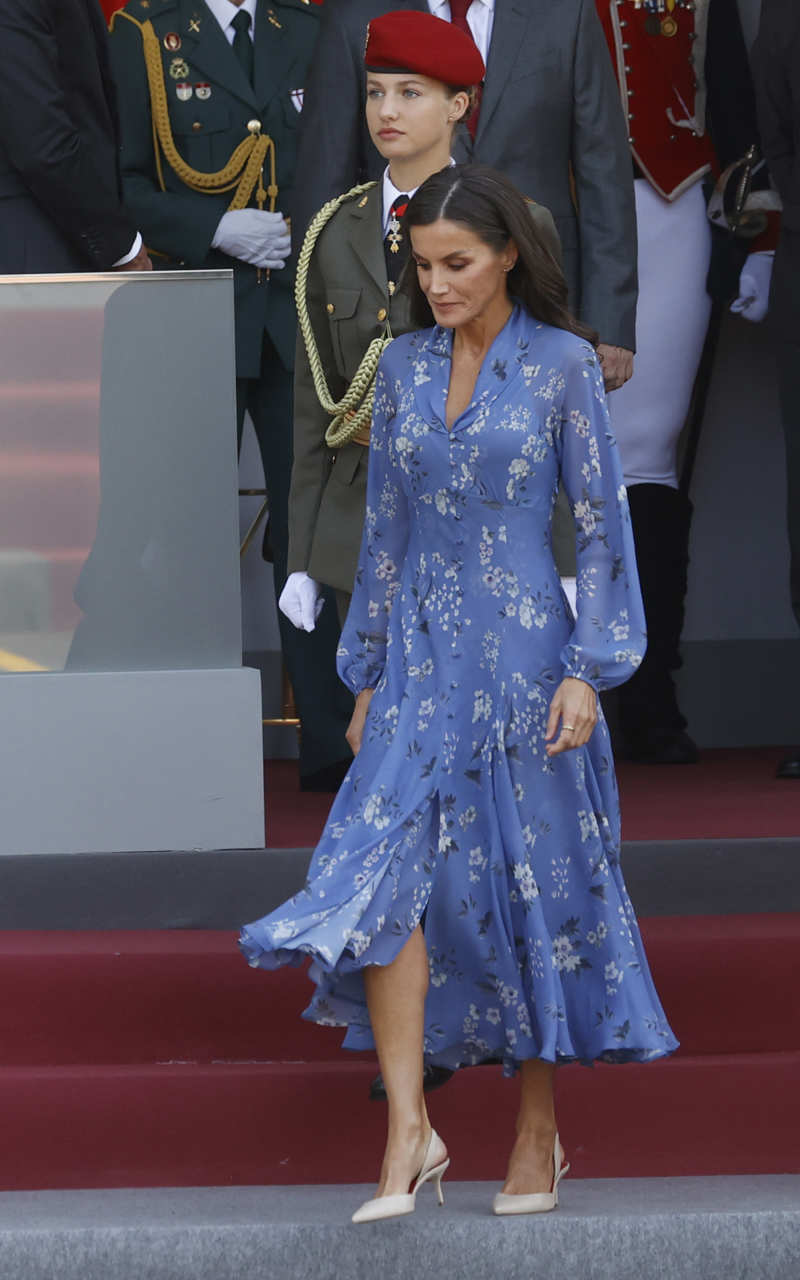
{"x":406,"y":40}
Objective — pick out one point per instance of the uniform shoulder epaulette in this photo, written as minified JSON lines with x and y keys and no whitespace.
{"x":142,"y":10}
{"x":308,"y":6}
{"x":361,"y":194}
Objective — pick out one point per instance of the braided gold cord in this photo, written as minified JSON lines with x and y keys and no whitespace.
{"x":352,"y":414}
{"x":244,"y":170}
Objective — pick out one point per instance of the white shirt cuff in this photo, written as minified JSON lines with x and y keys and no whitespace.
{"x":132,"y":252}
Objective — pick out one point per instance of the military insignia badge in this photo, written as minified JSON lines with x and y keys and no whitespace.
{"x":179,"y":68}
{"x":172,"y":42}
{"x":203,"y":91}
{"x":296,"y":96}
{"x":194,"y":24}
{"x":184,"y":91}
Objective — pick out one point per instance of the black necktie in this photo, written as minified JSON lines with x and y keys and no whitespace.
{"x":242,"y":44}
{"x":395,"y":245}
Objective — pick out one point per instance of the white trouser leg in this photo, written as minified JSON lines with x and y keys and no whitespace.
{"x":648,"y":413}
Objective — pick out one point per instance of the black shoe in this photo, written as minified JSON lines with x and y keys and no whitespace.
{"x":432,"y":1078}
{"x":330,"y":778}
{"x":664,"y":747}
{"x":789,"y":767}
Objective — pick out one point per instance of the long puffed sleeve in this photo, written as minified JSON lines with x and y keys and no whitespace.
{"x":609,"y":637}
{"x":362,"y":648}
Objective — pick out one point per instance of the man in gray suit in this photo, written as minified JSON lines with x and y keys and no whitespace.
{"x":550,"y":119}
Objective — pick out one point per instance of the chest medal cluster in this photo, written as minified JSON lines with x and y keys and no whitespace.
{"x":663,"y":16}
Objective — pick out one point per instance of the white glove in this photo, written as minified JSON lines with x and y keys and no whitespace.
{"x":754,"y":283}
{"x":254,"y":236}
{"x":300,"y":601}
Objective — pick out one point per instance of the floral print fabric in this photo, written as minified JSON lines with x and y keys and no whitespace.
{"x":452,"y":814}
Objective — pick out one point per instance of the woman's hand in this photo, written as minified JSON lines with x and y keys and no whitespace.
{"x":356,"y":726}
{"x":574,"y":705}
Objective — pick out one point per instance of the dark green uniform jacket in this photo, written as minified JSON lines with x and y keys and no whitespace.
{"x":348,"y":301}
{"x":207,"y":127}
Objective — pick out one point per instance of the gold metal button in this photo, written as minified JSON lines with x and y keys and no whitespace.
{"x":382,"y":314}
{"x":392,"y":287}
{"x":197,"y":126}
{"x":330,"y":308}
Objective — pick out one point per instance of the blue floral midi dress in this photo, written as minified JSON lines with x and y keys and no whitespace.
{"x":452,"y":814}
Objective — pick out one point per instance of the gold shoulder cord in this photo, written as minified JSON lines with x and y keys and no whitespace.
{"x":351,"y":416}
{"x":243,"y":174}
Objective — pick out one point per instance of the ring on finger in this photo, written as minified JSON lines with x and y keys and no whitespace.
{"x":569,"y":727}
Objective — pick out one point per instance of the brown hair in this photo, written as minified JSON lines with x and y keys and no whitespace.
{"x":490,"y":206}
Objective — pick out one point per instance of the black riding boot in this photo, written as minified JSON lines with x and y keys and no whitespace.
{"x":650,"y":718}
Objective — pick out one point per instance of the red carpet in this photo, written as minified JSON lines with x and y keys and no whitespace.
{"x":158,"y":1059}
{"x":729,"y":794}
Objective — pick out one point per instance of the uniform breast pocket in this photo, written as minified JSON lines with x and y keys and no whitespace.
{"x":342,"y":309}
{"x":200,"y":126}
{"x":292,"y":106}
{"x":348,"y":463}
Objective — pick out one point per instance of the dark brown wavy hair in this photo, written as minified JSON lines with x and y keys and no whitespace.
{"x":490,"y":206}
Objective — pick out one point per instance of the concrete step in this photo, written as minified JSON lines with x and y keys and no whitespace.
{"x":221,"y":888}
{"x":725,"y":1228}
{"x":183,"y":1124}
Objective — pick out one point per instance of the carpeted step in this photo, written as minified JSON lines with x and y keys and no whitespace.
{"x":160,"y":995}
{"x":729,"y":795}
{"x":182,"y":1124}
{"x":639,"y":1229}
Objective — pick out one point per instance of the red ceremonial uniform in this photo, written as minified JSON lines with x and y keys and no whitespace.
{"x":658,"y":50}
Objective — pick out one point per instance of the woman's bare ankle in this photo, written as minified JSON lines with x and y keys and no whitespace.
{"x":408,"y":1131}
{"x":537,"y":1129}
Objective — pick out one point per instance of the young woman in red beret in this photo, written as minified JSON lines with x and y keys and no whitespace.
{"x":422,"y":78}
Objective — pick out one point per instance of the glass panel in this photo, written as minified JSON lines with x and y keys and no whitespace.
{"x":118,"y":475}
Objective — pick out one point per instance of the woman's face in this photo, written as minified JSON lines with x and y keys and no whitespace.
{"x":409,"y":115}
{"x":460,"y":275}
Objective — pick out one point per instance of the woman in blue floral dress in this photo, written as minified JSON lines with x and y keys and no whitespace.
{"x":466,"y":900}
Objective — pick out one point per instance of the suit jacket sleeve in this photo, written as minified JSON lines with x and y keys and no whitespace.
{"x":328,"y":148}
{"x":178,"y":224}
{"x":603,"y":173}
{"x":312,"y":457}
{"x":77,"y":188}
{"x":546,"y":229}
{"x":771,"y":72}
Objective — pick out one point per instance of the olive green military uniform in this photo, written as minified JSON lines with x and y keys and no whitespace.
{"x":349,"y":301}
{"x":210,"y":104}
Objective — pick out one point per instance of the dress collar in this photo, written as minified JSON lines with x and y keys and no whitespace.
{"x":507,"y":355}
